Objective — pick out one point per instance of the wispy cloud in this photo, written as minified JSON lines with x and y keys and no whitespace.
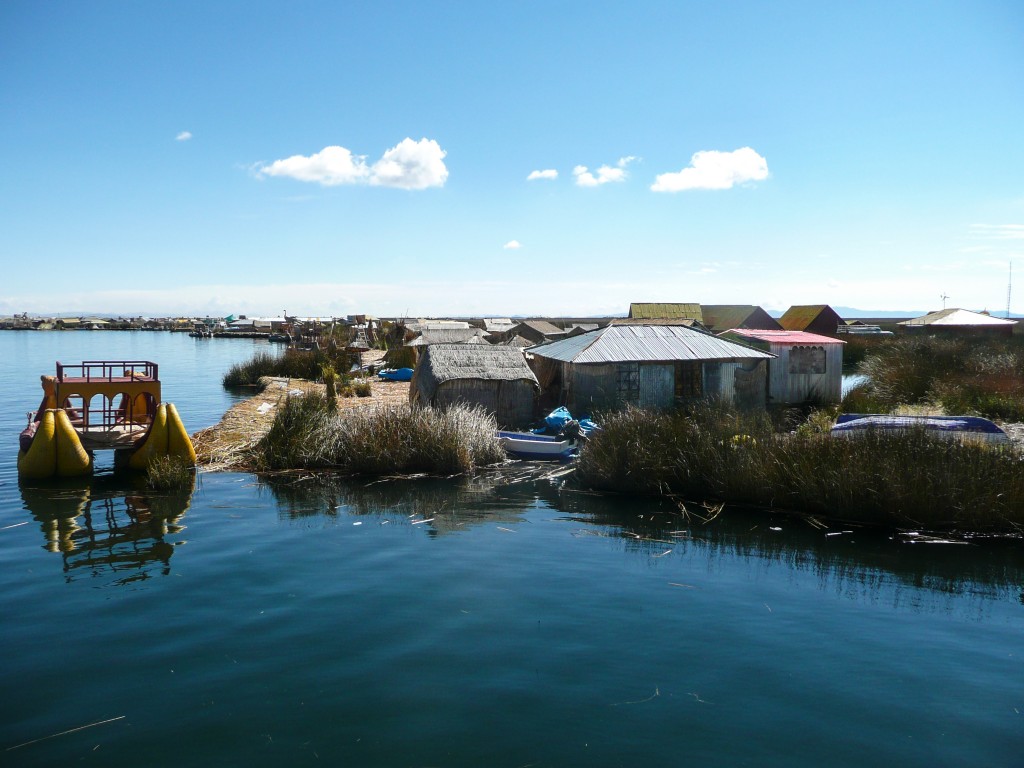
{"x":183,"y":136}
{"x":512,"y":245}
{"x":711,"y":169}
{"x":549,"y":173}
{"x":604,"y":175}
{"x":408,"y":165}
{"x":998,"y":231}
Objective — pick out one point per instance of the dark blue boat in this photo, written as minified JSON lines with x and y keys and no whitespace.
{"x":969,"y":428}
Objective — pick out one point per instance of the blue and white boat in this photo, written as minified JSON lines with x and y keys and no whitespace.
{"x":531,"y":447}
{"x":962,"y":428}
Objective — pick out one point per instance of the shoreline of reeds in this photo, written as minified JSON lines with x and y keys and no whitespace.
{"x":309,"y":433}
{"x":905,"y":480}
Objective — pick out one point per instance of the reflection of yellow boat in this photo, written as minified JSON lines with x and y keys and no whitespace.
{"x":109,"y":525}
{"x":100,"y":405}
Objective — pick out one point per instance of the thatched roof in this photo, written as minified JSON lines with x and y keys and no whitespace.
{"x":665,"y":311}
{"x":541,"y":326}
{"x":724,"y":317}
{"x":449,"y":336}
{"x":517,"y":341}
{"x":803,"y":316}
{"x":446,"y":362}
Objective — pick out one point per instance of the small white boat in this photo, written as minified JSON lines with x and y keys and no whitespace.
{"x":526,"y":445}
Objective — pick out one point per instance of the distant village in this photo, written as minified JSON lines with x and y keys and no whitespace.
{"x":714,"y":318}
{"x":657,"y":355}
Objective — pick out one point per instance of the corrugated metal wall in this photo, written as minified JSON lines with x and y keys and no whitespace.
{"x":657,"y":385}
{"x":786,"y":388}
{"x":652,"y":385}
{"x":590,"y":387}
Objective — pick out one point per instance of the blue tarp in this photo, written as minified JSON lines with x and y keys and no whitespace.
{"x":555,"y":422}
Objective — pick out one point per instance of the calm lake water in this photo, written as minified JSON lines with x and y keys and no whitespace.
{"x":502,"y":620}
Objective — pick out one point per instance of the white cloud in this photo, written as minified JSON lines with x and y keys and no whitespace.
{"x":411,"y":165}
{"x":999,"y":231}
{"x":604,"y":175}
{"x":712,"y":169}
{"x":512,"y":245}
{"x":330,"y":167}
{"x":408,"y":165}
{"x":183,"y":136}
{"x":549,"y":173}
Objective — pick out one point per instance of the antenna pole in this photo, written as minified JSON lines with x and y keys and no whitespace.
{"x":1009,"y":287}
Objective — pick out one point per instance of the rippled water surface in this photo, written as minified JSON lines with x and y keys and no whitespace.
{"x":509,"y":619}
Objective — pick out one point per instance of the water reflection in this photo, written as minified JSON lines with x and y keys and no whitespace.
{"x":441,"y":506}
{"x":859,"y":563}
{"x":107,"y":525}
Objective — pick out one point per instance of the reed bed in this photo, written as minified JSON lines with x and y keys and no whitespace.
{"x":292,"y":364}
{"x":910,"y":479}
{"x":307,"y":434}
{"x":164,"y":473}
{"x":971,"y":377}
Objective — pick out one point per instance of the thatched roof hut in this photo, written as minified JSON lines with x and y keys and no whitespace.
{"x":494,"y":377}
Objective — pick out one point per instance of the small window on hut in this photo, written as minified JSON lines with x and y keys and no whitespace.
{"x":688,"y":381}
{"x":807,"y":360}
{"x":629,"y":382}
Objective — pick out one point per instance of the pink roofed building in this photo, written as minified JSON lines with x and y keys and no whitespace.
{"x":807,"y":369}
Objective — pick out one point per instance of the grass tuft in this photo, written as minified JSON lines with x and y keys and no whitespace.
{"x":165,"y":473}
{"x":307,"y":434}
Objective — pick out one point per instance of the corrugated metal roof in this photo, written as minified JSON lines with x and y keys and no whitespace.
{"x":687,"y":321}
{"x":645,"y":343}
{"x":784,"y":337}
{"x":953,"y":316}
{"x":665,"y":311}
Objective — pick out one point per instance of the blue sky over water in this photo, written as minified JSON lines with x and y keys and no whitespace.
{"x":529,"y":158}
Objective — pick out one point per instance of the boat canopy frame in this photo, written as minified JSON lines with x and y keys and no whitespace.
{"x":130,"y":392}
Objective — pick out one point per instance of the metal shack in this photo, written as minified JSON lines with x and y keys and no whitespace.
{"x":650,"y":366}
{"x":807,"y":368}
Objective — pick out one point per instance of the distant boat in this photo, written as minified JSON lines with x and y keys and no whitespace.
{"x":963,"y":428}
{"x":526,"y":445}
{"x":396,"y":374}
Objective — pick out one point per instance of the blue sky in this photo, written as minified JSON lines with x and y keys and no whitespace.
{"x":170,"y":157}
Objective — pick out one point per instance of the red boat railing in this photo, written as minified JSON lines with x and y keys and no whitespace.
{"x":109,"y":371}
